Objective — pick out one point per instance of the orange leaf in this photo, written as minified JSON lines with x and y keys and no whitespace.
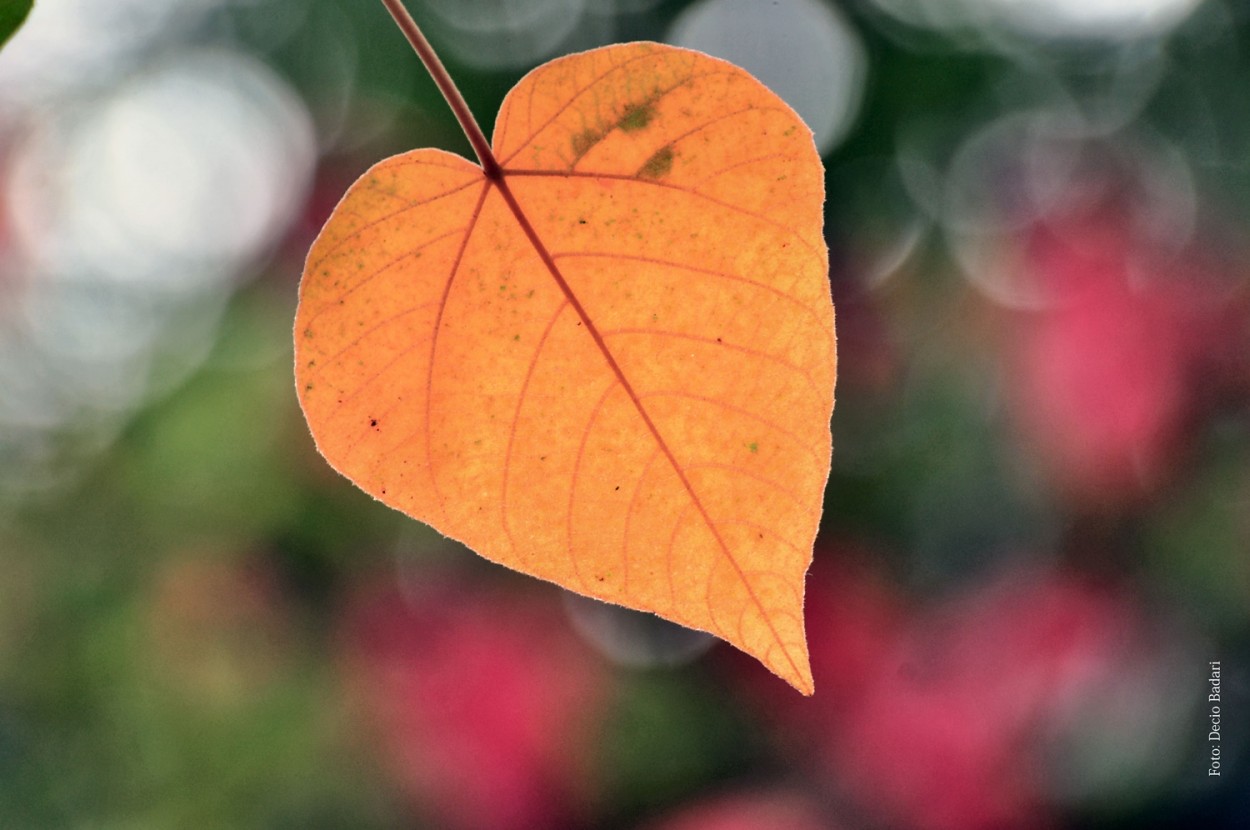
{"x":612,"y":365}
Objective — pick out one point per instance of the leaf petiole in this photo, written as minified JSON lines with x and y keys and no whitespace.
{"x":490,"y":166}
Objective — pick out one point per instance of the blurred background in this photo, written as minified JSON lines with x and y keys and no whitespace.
{"x":1036,"y":536}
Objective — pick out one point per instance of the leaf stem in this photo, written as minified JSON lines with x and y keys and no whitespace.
{"x":490,"y":166}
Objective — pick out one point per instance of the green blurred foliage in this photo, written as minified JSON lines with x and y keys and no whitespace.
{"x":12,"y":14}
{"x":162,"y":663}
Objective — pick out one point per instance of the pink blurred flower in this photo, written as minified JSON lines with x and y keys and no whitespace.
{"x":852,"y":616}
{"x":945,"y":717}
{"x":764,"y":810}
{"x":1104,"y":381}
{"x":946,"y":733}
{"x":860,"y":615}
{"x":483,"y":702}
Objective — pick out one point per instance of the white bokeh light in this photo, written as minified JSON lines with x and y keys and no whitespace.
{"x":65,"y":44}
{"x":502,"y":34}
{"x":1116,"y":20}
{"x":634,"y":639}
{"x":1024,"y":169}
{"x":130,"y":215}
{"x":803,"y":50}
{"x":1111,"y":19}
{"x":184,"y":171}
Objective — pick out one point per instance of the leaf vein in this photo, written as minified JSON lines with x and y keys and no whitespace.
{"x":624,"y":177}
{"x":382,"y":269}
{"x":409,"y":206}
{"x":577,"y":93}
{"x":768,"y":422}
{"x":681,"y":335}
{"x":712,"y":272}
{"x":574,"y":480}
{"x":516,"y":416}
{"x":776,"y":485}
{"x":629,"y":516}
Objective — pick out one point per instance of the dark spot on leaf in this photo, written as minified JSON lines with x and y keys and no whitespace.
{"x":636,"y":117}
{"x":581,"y":221}
{"x":660,"y":163}
{"x":583,"y":141}
{"x":617,"y":487}
{"x":373,"y":422}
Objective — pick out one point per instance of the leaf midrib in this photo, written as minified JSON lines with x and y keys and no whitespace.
{"x":501,"y":183}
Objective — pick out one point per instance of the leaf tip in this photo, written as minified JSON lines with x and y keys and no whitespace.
{"x":800,"y":675}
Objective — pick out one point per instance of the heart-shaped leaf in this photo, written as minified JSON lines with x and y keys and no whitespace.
{"x":608,"y":363}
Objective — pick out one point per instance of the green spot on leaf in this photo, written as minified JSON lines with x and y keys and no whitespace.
{"x":660,"y":163}
{"x":583,"y":141}
{"x":636,"y":117}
